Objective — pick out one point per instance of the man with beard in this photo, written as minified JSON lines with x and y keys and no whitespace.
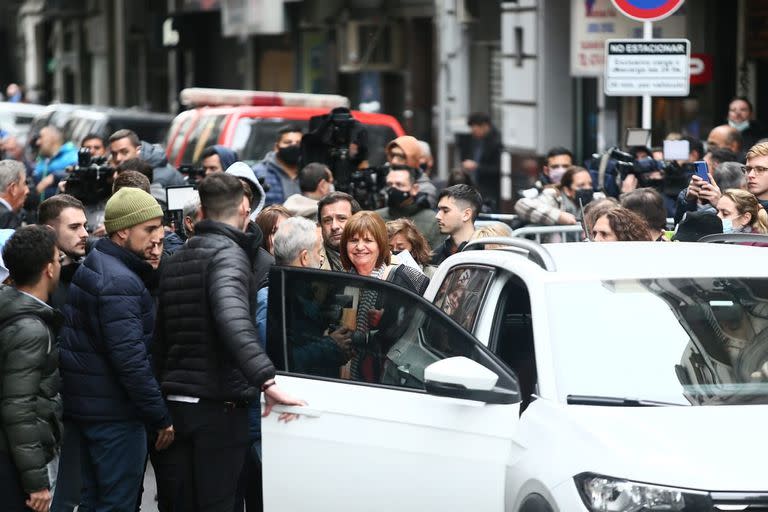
{"x":110,"y":391}
{"x":66,"y":215}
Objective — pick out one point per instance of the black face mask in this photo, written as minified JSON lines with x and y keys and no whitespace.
{"x":658,"y":184}
{"x":396,"y":197}
{"x":289,"y":154}
{"x":583,"y":196}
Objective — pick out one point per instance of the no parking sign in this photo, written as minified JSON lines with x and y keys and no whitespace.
{"x":647,"y":10}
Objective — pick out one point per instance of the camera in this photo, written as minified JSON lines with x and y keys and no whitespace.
{"x":90,"y":180}
{"x":340,"y":142}
{"x":192,"y":173}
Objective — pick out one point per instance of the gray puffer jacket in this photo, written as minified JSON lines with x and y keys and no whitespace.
{"x":164,"y":173}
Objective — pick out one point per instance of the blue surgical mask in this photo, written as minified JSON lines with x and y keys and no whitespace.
{"x":728,"y":226}
{"x":739,"y":126}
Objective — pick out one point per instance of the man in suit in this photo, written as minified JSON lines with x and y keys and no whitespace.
{"x":13,"y":193}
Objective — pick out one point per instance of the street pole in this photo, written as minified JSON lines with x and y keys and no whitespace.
{"x":647,"y":100}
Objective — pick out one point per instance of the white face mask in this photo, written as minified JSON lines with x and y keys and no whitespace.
{"x":739,"y":126}
{"x":331,"y":188}
{"x":556,"y":174}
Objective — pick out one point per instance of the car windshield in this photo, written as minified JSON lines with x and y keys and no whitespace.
{"x":697,"y":341}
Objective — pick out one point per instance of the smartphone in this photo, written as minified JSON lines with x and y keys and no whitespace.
{"x":702,"y":171}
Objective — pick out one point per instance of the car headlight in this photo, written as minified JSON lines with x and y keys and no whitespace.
{"x":608,"y":494}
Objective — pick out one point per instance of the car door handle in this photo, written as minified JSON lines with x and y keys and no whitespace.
{"x":301,"y":410}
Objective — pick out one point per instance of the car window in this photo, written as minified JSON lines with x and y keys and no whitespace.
{"x":150,"y":129}
{"x":461,"y":294}
{"x":378,"y":138}
{"x":178,"y":142}
{"x":206,"y":133}
{"x":359,"y":329}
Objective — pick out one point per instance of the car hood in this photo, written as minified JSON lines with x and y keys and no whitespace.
{"x":713,"y":448}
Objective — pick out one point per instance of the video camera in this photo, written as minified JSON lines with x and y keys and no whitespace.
{"x":90,"y":180}
{"x":192,"y":173}
{"x":340,"y":142}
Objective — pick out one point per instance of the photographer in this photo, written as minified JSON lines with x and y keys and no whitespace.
{"x":96,"y":144}
{"x":559,"y":205}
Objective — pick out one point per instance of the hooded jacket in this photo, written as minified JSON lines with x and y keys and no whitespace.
{"x":421,"y":215}
{"x":226,"y":156}
{"x":206,"y":340}
{"x":410,"y":146}
{"x":30,"y":404}
{"x":105,"y":343}
{"x":163,"y":173}
{"x":243,"y":171}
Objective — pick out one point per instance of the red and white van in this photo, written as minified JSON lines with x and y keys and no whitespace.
{"x":248,"y":122}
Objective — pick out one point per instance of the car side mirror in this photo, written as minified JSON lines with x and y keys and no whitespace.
{"x":461,"y":377}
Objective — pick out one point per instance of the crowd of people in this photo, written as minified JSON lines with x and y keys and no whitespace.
{"x":133,"y":337}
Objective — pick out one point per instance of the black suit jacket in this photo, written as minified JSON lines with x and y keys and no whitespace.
{"x":8,"y":218}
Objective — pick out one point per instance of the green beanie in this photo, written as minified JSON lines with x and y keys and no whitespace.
{"x":128,"y":207}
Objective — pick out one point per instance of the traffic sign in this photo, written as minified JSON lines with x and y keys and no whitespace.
{"x":647,"y":10}
{"x":654,"y":67}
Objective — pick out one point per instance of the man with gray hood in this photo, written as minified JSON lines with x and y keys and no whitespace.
{"x":262,"y":260}
{"x":125,"y":144}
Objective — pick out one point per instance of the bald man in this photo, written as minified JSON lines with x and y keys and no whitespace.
{"x":724,"y":137}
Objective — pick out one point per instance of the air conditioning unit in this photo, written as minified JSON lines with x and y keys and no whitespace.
{"x":370,"y":46}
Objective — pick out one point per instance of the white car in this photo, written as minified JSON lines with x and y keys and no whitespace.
{"x":600,"y":377}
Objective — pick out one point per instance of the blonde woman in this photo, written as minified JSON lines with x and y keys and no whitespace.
{"x":492,"y":230}
{"x":741,"y":212}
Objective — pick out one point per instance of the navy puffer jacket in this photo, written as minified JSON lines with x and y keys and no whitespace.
{"x":105,"y":343}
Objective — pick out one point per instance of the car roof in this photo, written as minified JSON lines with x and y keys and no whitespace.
{"x":627,"y":260}
{"x":638,"y":260}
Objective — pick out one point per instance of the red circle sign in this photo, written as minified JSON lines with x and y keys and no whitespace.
{"x":647,"y":10}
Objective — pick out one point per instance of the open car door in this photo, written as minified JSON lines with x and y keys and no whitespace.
{"x":406,"y":410}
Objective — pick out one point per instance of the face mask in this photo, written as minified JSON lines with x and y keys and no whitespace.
{"x":289,"y":154}
{"x":728,"y":226}
{"x":657,"y":184}
{"x":585,"y":195}
{"x":556,"y":174}
{"x":395,"y":253}
{"x":739,"y":126}
{"x":331,"y":188}
{"x":396,"y":197}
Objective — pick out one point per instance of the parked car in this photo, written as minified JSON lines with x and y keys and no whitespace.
{"x":585,"y":376}
{"x":248,"y":122}
{"x":149,"y":126}
{"x":16,"y":118}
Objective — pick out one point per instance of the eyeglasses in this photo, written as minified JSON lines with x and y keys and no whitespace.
{"x":746,"y":169}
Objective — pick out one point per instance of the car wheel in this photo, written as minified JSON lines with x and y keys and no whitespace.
{"x":535,"y":503}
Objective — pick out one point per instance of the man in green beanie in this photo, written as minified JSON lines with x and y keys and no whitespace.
{"x":109,"y":389}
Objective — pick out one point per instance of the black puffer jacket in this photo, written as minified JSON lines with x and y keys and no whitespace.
{"x":207,"y":344}
{"x":30,"y":405}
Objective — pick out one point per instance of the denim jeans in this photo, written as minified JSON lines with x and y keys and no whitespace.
{"x":112,"y":459}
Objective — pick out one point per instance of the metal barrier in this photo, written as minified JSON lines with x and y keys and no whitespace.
{"x":538,"y":231}
{"x":503,"y":217}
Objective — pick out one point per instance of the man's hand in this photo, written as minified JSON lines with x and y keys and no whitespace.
{"x":469,"y":165}
{"x":164,"y":438}
{"x":273,"y":396}
{"x":566,"y":219}
{"x":694,"y":189}
{"x":343,"y":338}
{"x":710,"y":192}
{"x":629,"y":184}
{"x":39,"y":501}
{"x":45,"y":183}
